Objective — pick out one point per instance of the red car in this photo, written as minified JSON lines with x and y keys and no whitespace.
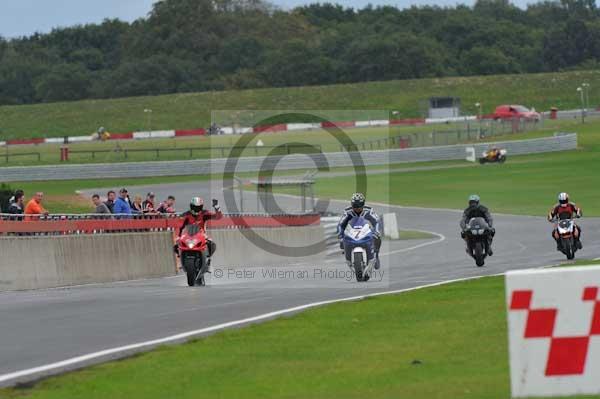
{"x":514,"y":111}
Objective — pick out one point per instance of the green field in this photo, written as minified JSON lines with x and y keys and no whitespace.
{"x":61,"y":197}
{"x":202,"y":147}
{"x":186,"y":111}
{"x":429,"y":343}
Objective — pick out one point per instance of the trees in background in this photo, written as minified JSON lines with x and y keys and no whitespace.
{"x":197,"y":45}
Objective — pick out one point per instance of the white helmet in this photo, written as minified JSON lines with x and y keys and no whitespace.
{"x":563,"y":198}
{"x":196,"y":205}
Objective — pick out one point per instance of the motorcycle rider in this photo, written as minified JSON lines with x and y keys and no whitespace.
{"x":476,"y":210}
{"x":357,"y":208}
{"x":493,"y":153}
{"x":198,"y":215}
{"x":562,"y":211}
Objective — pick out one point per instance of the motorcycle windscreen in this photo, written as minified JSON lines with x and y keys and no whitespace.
{"x":565,"y":226}
{"x":358,"y":229}
{"x":478,"y":226}
{"x":192,"y":229}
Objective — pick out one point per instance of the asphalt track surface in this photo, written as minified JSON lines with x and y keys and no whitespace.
{"x":48,"y":326}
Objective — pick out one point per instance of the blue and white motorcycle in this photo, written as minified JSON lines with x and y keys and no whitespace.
{"x":359,"y":247}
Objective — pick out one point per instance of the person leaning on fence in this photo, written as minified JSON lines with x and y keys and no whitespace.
{"x":136,"y":205}
{"x":101,"y":208}
{"x":34,"y":206}
{"x":167,"y":207}
{"x":122,"y":206}
{"x":17,"y":204}
{"x":148,"y":204}
{"x":110,"y":201}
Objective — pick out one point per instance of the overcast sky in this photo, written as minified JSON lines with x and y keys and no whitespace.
{"x":24,"y":17}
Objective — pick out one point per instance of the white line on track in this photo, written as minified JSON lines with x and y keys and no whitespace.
{"x":440,"y":238}
{"x":189,"y":334}
{"x":182,"y":336}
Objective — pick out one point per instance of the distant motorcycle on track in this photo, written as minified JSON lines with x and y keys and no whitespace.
{"x":493,"y":156}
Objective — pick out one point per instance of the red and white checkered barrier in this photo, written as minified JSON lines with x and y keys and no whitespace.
{"x":554,"y":331}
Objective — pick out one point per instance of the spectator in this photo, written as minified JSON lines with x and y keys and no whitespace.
{"x":17,"y":204}
{"x":34,"y":207}
{"x":136,"y":206}
{"x":122,"y":206}
{"x":101,"y":207}
{"x":110,"y":201}
{"x":148,"y":204}
{"x":167,"y":207}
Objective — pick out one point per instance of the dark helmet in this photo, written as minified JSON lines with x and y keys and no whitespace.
{"x":563,"y":198}
{"x":358,"y":200}
{"x":474,"y":199}
{"x":196,"y":205}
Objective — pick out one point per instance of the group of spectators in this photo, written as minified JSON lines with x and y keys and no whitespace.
{"x":34,"y":206}
{"x":123,"y":205}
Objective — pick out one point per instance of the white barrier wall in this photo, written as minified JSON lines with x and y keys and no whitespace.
{"x":554,"y":331}
{"x":31,"y":262}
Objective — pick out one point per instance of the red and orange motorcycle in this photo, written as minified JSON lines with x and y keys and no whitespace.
{"x":194,"y":254}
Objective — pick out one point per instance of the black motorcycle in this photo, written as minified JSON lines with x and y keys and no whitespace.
{"x":478,"y":236}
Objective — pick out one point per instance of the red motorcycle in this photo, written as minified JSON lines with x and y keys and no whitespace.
{"x":193,"y":252}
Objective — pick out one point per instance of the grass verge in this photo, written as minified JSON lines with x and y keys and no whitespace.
{"x":61,"y":197}
{"x":193,"y":110}
{"x":442,"y":342}
{"x":413,"y":235}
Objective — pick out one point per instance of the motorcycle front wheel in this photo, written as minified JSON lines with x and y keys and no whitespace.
{"x":358,"y":266}
{"x":479,"y":256}
{"x":568,"y":249}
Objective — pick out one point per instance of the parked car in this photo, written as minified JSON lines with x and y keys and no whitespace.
{"x":514,"y":111}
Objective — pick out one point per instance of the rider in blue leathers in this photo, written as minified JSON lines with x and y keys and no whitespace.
{"x":357,"y":208}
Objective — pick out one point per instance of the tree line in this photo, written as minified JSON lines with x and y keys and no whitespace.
{"x":200,"y":45}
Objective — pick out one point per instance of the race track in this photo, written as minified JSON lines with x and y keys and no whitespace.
{"x":48,"y":326}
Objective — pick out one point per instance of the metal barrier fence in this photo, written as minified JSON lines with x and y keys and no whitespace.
{"x":209,"y":151}
{"x":69,"y":224}
{"x":292,"y":162}
{"x":7,"y":155}
{"x":455,"y":133}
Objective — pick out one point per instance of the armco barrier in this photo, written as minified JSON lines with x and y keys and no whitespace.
{"x":56,"y":261}
{"x":290,"y":162}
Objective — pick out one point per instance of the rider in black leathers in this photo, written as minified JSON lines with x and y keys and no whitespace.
{"x":357,"y":208}
{"x":476,"y":210}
